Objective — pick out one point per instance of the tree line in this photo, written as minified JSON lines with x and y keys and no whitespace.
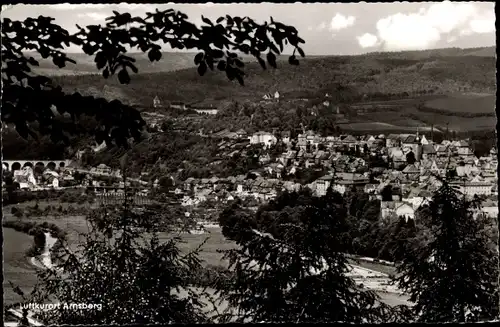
{"x":279,"y":271}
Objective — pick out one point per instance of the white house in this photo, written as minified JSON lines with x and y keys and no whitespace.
{"x":207,"y":111}
{"x":156,"y":102}
{"x":263,"y":138}
{"x":178,"y":105}
{"x":474,"y":187}
{"x":323,"y":183}
{"x":405,"y":210}
{"x":103,"y":169}
{"x":285,"y":137}
{"x":269,"y":96}
{"x":417,"y":201}
{"x":25,"y":176}
{"x":55,"y":182}
{"x":490,"y":209}
{"x":463,"y":148}
{"x":397,"y":208}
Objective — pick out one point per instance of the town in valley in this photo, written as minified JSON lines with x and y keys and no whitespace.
{"x":187,"y":163}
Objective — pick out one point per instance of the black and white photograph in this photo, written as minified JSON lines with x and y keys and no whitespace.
{"x":210,"y":163}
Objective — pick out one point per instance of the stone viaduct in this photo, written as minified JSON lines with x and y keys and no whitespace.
{"x":13,"y":165}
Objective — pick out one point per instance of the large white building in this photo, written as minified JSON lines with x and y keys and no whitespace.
{"x":263,"y":138}
{"x":474,"y":187}
{"x":396,"y":208}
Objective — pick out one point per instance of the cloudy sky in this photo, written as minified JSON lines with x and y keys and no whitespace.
{"x":327,"y":28}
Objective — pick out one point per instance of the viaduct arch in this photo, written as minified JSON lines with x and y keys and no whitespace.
{"x":12,"y":165}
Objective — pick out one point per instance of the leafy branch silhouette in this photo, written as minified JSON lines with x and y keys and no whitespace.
{"x":34,"y":105}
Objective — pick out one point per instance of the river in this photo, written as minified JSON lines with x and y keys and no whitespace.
{"x":20,"y":270}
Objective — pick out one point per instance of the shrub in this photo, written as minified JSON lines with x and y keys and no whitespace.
{"x":33,"y":251}
{"x":39,"y":237}
{"x":53,"y":227}
{"x":18,"y":213}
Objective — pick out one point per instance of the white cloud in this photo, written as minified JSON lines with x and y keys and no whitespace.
{"x":340,"y":21}
{"x":69,"y":6}
{"x":483,"y":24}
{"x":321,"y":26}
{"x":367,"y":40}
{"x":94,"y":15}
{"x":110,"y":6}
{"x":466,"y":32}
{"x":426,"y":27}
{"x":447,"y":16}
{"x":401,"y":31}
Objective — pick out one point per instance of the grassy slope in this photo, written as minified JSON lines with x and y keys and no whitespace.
{"x":16,"y":268}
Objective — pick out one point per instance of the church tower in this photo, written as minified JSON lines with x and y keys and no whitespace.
{"x":417,"y":149}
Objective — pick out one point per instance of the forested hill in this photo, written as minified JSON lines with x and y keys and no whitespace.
{"x":172,"y":61}
{"x":447,"y":52}
{"x":392,"y":72}
{"x":85,"y":64}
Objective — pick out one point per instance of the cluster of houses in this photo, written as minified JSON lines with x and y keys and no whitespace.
{"x":47,"y":178}
{"x":40,"y":179}
{"x":414,"y":166}
{"x":203,"y":110}
{"x":411,"y":164}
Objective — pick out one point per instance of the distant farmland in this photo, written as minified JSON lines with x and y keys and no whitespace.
{"x":379,"y":127}
{"x":457,"y":123}
{"x":464,"y":103}
{"x":457,"y":112}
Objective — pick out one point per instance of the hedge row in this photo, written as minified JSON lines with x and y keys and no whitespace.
{"x":456,"y":113}
{"x":73,"y":196}
{"x":38,"y":232}
{"x":32,"y":228}
{"x":53,"y":210}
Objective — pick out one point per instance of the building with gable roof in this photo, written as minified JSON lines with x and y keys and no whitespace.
{"x":396,"y":208}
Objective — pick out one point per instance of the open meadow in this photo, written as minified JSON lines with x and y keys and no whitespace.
{"x":466,"y":102}
{"x":374,"y":127}
{"x":457,"y":112}
{"x":19,"y":270}
{"x":16,"y":266}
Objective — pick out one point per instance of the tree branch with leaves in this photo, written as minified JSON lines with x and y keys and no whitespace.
{"x":34,"y":105}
